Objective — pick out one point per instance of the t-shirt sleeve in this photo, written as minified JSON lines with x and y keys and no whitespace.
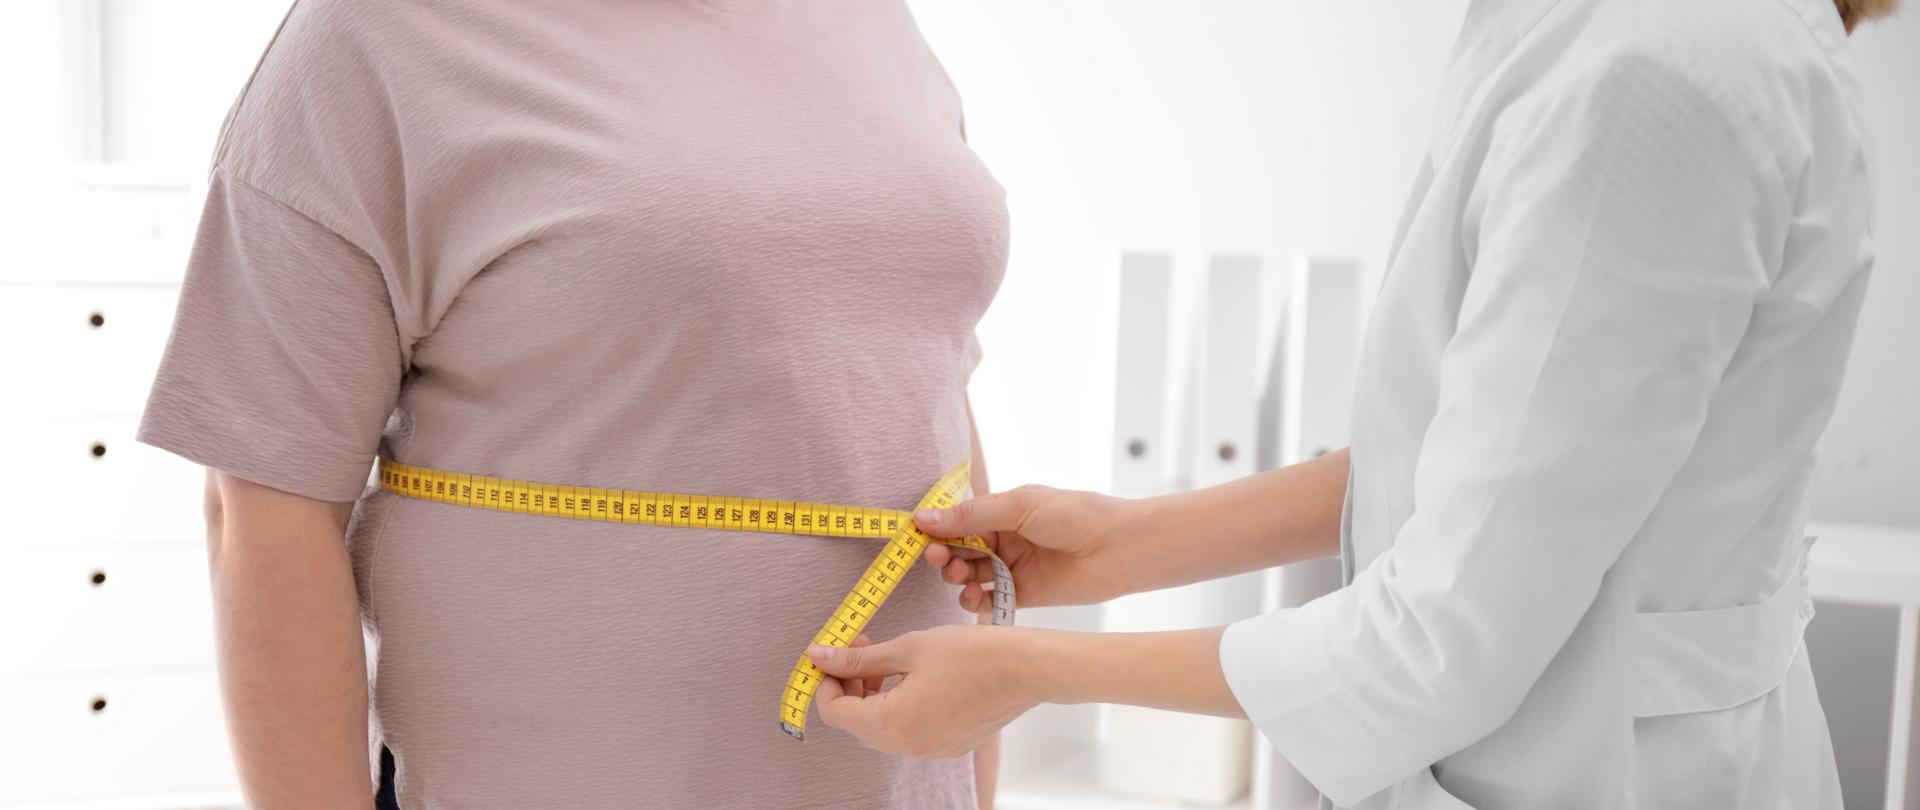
{"x":285,"y":360}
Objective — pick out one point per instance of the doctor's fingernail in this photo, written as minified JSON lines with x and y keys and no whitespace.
{"x":819,"y":652}
{"x":927,"y":517}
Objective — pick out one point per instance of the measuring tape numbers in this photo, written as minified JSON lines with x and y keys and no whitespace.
{"x":904,"y":540}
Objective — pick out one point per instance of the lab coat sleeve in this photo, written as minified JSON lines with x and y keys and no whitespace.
{"x":1619,"y":235}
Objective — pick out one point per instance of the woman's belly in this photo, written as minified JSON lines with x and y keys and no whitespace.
{"x":527,"y":660}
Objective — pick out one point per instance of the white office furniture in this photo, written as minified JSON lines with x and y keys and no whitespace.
{"x":1170,"y":756}
{"x":1309,"y":398}
{"x":1240,"y":414}
{"x":1141,"y":449}
{"x":108,"y":696}
{"x":1865,"y":647}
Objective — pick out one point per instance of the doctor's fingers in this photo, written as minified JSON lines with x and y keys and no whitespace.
{"x":974,"y":598}
{"x":963,"y":567}
{"x":889,"y":723}
{"x":862,"y":687}
{"x":1000,"y":511}
{"x":834,"y":686}
{"x":872,"y":661}
{"x":869,"y":719}
{"x":939,"y":554}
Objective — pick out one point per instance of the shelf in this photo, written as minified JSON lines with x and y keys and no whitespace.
{"x":227,"y":799}
{"x":1864,"y":564}
{"x":1072,"y":782}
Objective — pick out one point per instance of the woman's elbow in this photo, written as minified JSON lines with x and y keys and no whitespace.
{"x":213,"y":510}
{"x":247,"y":517}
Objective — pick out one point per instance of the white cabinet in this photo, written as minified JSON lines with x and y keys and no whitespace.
{"x":107,"y":691}
{"x":148,"y":740}
{"x":1864,"y":642}
{"x":84,"y":350}
{"x":108,"y":694}
{"x":103,"y":608}
{"x":90,"y":482}
{"x":106,"y":224}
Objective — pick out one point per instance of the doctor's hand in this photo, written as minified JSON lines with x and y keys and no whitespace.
{"x":963,"y":682}
{"x":1070,"y":548}
{"x":1064,"y":547}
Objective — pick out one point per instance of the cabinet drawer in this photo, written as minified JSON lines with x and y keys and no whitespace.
{"x":87,"y":481}
{"x":109,"y":608}
{"x":114,"y":225}
{"x":20,"y":303}
{"x":84,"y":350}
{"x":99,"y":738}
{"x":117,"y":258}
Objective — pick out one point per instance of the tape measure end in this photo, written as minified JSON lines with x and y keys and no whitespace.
{"x":793,"y":732}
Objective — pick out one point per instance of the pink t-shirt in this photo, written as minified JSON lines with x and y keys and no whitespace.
{"x":734,"y":248}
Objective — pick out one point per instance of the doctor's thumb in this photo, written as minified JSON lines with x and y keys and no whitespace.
{"x":872,"y":661}
{"x":1001,"y":511}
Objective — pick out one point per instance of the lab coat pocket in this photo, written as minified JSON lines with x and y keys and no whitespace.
{"x":1708,"y":660}
{"x":1422,"y":791}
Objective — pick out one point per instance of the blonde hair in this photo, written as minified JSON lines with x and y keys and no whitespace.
{"x":1854,"y":12}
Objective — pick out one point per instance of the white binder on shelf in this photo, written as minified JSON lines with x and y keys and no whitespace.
{"x":1309,"y":400}
{"x":1224,"y":439}
{"x":1165,"y":755}
{"x":1140,"y":446}
{"x":1055,"y":744}
{"x":1244,"y":410}
{"x":1220,"y":439}
{"x":1322,"y":346}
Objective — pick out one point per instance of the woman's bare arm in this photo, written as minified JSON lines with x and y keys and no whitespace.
{"x":292,"y":661}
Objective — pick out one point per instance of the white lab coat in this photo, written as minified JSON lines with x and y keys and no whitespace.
{"x":1612,"y":331}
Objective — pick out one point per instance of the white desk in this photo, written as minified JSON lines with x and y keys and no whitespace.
{"x":1880,"y":566}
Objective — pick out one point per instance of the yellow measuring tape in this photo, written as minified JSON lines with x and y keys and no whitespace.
{"x":905,"y":541}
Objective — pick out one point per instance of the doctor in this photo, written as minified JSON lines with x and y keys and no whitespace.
{"x":1611,"y":334}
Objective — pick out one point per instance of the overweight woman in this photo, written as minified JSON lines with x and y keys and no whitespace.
{"x":1610,"y":336}
{"x":731,"y":247}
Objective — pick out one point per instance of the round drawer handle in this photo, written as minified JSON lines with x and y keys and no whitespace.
{"x":99,"y":705}
{"x":1227,"y":451}
{"x":99,"y":577}
{"x":1137,"y":448}
{"x":99,"y":449}
{"x":97,"y":319}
